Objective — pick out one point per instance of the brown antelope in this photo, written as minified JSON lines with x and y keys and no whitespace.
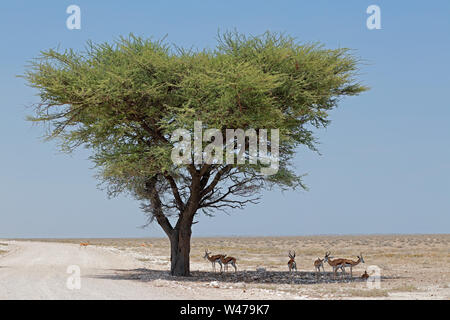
{"x":291,"y":263}
{"x":149,"y":245}
{"x":335,"y":264}
{"x":228,"y":260}
{"x":365,"y":275}
{"x":351,"y":263}
{"x":319,"y":263}
{"x":213,"y":259}
{"x":84,"y":244}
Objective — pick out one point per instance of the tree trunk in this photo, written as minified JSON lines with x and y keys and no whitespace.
{"x":180,"y":235}
{"x":180,"y":247}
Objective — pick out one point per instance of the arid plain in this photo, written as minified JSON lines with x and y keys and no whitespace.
{"x":410,"y":266}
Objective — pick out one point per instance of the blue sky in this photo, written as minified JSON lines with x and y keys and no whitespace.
{"x":385,"y":163}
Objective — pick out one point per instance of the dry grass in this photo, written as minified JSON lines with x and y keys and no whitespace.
{"x":372,"y":293}
{"x":404,"y":288}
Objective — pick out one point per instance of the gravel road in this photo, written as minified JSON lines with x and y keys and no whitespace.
{"x":39,"y":270}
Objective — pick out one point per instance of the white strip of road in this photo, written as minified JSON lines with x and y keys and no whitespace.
{"x":38,"y":270}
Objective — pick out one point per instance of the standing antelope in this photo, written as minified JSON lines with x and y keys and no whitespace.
{"x":291,"y":263}
{"x":319,"y":263}
{"x":335,"y":264}
{"x":84,"y":244}
{"x":351,"y":263}
{"x":228,"y":260}
{"x":213,"y":259}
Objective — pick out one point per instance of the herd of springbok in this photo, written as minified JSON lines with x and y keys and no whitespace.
{"x":340,"y":263}
{"x":336,"y":264}
{"x":221,"y":259}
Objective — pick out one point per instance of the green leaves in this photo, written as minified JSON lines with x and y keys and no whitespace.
{"x":123,"y":100}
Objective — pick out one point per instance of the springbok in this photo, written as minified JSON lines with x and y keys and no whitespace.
{"x":291,"y":263}
{"x":319,"y":263}
{"x":351,"y":263}
{"x":213,"y":259}
{"x":228,"y":260}
{"x":84,"y":244}
{"x":365,"y":275}
{"x":335,"y":264}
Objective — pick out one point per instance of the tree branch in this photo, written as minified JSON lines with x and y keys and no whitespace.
{"x":216,"y":180}
{"x":156,"y":206}
{"x":175,"y":191}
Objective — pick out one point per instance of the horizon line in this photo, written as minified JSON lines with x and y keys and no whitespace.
{"x":239,"y":236}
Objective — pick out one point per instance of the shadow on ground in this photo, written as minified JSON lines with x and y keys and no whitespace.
{"x":271,"y":277}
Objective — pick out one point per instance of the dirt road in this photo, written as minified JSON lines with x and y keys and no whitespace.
{"x":38,"y":270}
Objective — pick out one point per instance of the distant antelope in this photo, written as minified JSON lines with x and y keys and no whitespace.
{"x":335,"y":264}
{"x":365,"y":275}
{"x":291,"y":263}
{"x":146,"y":245}
{"x":84,"y":244}
{"x":228,"y":260}
{"x":213,"y":259}
{"x":351,"y":263}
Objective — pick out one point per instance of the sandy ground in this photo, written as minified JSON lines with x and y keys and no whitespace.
{"x":34,"y":270}
{"x":411,"y":267}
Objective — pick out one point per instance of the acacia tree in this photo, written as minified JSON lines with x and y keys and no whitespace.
{"x":124,"y":100}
